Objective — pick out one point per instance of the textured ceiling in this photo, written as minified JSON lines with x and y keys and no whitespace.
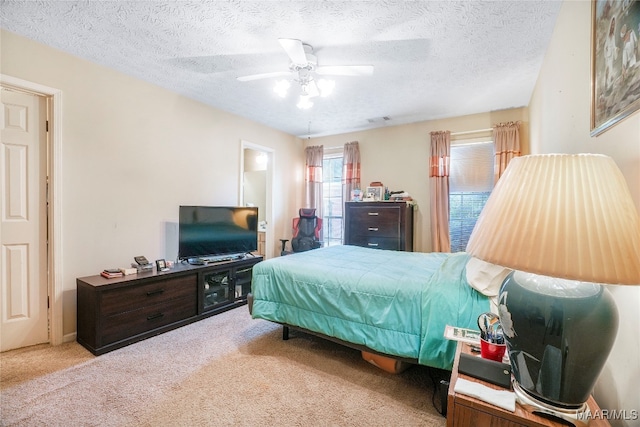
{"x":432,"y":59}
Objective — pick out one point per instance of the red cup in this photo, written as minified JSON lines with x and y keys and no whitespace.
{"x":492,"y":351}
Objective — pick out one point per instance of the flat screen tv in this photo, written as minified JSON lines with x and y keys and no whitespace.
{"x":210,"y":231}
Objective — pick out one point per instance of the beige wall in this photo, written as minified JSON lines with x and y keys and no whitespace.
{"x":131,"y":154}
{"x":398,"y":156}
{"x":560,"y":122}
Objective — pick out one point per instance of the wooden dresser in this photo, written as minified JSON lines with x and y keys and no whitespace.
{"x":379,"y":225}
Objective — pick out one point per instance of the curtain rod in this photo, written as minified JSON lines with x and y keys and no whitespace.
{"x":468,"y":132}
{"x":471,"y":131}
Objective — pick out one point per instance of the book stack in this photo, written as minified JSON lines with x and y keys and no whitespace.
{"x":110,"y":273}
{"x":128,"y":271}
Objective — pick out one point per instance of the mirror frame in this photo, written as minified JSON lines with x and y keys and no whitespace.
{"x":244,"y":144}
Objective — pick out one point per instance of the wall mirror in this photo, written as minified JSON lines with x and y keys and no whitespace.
{"x":255,"y":189}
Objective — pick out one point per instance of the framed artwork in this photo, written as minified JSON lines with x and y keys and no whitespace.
{"x":376,"y":192}
{"x":615,"y":62}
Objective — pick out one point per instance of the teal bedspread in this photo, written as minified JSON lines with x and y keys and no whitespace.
{"x":397,"y":303}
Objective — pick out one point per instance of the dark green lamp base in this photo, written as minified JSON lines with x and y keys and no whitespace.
{"x":559,"y":334}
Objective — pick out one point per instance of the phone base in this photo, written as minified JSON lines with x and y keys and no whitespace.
{"x":142,"y":267}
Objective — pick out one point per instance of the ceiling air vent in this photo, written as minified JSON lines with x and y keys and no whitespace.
{"x":382,"y":119}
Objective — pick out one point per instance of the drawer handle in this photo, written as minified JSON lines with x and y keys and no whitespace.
{"x":372,"y":244}
{"x":152,"y":293}
{"x":373,"y":228}
{"x":155,"y":316}
{"x":373,"y":213}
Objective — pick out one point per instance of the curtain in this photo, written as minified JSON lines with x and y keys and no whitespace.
{"x":313,"y":178}
{"x":506,"y":138}
{"x":439,"y":163}
{"x":350,"y":169}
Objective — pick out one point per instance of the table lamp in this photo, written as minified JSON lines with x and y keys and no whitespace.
{"x":565,"y":224}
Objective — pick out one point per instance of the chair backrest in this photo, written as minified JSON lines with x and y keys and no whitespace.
{"x":306,"y":230}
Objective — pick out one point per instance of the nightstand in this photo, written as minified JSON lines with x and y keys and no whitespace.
{"x":466,"y":411}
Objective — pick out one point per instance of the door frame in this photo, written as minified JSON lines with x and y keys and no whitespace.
{"x":54,"y":196}
{"x":269,"y":189}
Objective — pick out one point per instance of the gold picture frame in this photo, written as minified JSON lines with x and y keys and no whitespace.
{"x":615,"y":62}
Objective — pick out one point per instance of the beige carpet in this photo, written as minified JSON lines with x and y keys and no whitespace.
{"x":227,"y":370}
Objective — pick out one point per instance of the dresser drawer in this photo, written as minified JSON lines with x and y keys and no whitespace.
{"x":130,"y":323}
{"x":374,"y":227}
{"x":376,"y":213}
{"x":389,"y":243}
{"x":375,"y":222}
{"x":133,"y":297}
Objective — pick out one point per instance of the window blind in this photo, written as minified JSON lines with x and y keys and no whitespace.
{"x":470,"y":184}
{"x":471,"y":168}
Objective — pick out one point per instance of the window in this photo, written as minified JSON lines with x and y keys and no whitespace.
{"x":470,"y":184}
{"x":332,"y":200}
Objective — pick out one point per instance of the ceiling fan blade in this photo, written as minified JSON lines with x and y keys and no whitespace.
{"x":263,"y":76}
{"x":295,"y":50}
{"x":345,"y":70}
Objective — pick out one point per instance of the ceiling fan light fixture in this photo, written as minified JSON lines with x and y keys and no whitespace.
{"x":303,"y":68}
{"x":282,"y":87}
{"x":326,"y":87}
{"x":309,"y":89}
{"x":304,"y":89}
{"x":304,"y":103}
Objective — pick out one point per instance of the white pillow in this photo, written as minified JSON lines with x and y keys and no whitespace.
{"x":485,"y":277}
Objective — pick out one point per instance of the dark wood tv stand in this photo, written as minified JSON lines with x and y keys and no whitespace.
{"x":113,"y":313}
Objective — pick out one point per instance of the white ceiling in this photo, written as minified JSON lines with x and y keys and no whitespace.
{"x":432,"y":59}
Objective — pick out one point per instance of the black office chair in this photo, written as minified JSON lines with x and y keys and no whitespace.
{"x":306,"y":232}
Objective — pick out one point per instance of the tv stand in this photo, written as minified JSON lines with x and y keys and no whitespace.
{"x":113,"y":313}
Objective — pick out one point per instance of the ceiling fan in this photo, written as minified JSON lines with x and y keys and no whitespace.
{"x":304,"y":65}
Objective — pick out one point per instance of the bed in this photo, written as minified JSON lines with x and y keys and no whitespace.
{"x":389,"y":302}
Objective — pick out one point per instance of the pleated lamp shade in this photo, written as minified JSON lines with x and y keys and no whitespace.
{"x":562,"y":215}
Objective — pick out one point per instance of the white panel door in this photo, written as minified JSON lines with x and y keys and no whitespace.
{"x":23,"y":223}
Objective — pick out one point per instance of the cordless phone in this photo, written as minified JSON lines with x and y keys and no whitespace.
{"x":141,"y":260}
